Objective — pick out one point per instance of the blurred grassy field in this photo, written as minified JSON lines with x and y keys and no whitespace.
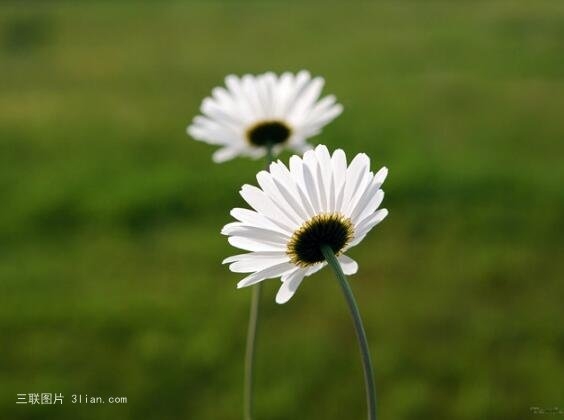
{"x":110,"y":282}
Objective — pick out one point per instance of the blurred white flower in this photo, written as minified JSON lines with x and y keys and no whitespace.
{"x":318,"y":200}
{"x":254,"y":111}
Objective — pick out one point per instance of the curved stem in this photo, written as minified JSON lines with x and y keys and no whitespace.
{"x":359,"y":328}
{"x":252,"y":332}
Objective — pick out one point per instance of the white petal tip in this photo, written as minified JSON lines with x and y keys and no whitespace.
{"x":383,"y":213}
{"x":223,"y":155}
{"x":283,"y":296}
{"x":381,"y":175}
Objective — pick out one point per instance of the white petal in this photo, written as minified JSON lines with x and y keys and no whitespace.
{"x":320,"y":115}
{"x":373,"y":219}
{"x":339,"y":170}
{"x":252,"y":218}
{"x":288,"y":189}
{"x":324,"y":116}
{"x":297,"y":171}
{"x":215,"y":111}
{"x":354,"y":176}
{"x":381,"y":175}
{"x":305,"y":100}
{"x":281,"y":93}
{"x":257,"y":234}
{"x":360,"y":191}
{"x":253,"y":245}
{"x":213,"y":132}
{"x":310,"y":180}
{"x":321,"y":107}
{"x":227,"y":103}
{"x":290,"y":284}
{"x":366,"y":208}
{"x":364,"y":227}
{"x":348,"y":265}
{"x":259,"y":201}
{"x":299,"y":83}
{"x":236,"y":228}
{"x":266,"y":84}
{"x":254,"y":256}
{"x":250,"y":87}
{"x":256,"y":264}
{"x":324,"y":175}
{"x":367,"y":195}
{"x":268,"y":273}
{"x":269,"y":187}
{"x":224,"y":154}
{"x":234,"y":85}
{"x":315,"y":268}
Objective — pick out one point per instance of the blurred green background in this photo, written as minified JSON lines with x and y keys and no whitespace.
{"x":110,"y":275}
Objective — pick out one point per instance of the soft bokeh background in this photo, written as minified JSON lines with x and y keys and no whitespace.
{"x":110,"y":275}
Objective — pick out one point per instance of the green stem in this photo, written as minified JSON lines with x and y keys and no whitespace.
{"x":359,"y":328}
{"x":250,"y":352}
{"x":269,"y":154}
{"x":252,"y":332}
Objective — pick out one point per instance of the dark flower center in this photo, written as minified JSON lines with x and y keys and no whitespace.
{"x":268,"y":132}
{"x":333,"y":229}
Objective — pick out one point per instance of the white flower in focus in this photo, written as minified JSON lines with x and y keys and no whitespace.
{"x":318,"y":200}
{"x":254,"y":111}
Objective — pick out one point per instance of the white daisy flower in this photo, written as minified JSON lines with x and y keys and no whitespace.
{"x":318,"y":200}
{"x":255,"y":111}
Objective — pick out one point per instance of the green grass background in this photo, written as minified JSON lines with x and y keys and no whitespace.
{"x":110,"y":275}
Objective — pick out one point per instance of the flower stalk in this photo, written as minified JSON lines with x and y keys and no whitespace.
{"x":250,"y":352}
{"x":359,"y":328}
{"x":248,"y":389}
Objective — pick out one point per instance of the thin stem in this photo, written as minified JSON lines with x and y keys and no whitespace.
{"x":359,"y":328}
{"x":250,"y":352}
{"x":269,"y":154}
{"x":252,"y":332}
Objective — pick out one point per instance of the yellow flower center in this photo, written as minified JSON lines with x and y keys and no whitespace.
{"x":333,"y":229}
{"x":268,"y":132}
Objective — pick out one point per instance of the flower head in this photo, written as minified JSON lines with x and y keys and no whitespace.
{"x":319,"y":200}
{"x":252,"y":112}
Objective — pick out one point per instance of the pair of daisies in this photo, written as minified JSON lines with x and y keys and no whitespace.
{"x":318,"y":199}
